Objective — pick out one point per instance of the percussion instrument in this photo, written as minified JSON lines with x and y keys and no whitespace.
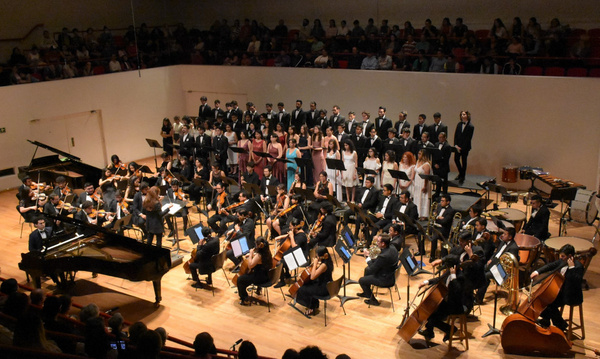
{"x":556,"y":182}
{"x":528,"y":247}
{"x":514,"y":216}
{"x":509,"y":174}
{"x":526,"y":172}
{"x":583,"y":207}
{"x":553,"y":245}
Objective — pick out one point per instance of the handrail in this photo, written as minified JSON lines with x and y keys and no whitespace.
{"x":24,"y":37}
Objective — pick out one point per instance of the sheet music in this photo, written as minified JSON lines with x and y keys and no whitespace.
{"x":300,"y":258}
{"x":237,"y":248}
{"x":290,"y":260}
{"x":176,"y":207}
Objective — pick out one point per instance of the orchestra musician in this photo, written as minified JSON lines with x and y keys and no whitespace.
{"x":282,"y":202}
{"x":537,"y":225}
{"x":380,"y":271}
{"x":505,"y":245}
{"x":297,"y":238}
{"x":244,"y":204}
{"x":384,"y":212}
{"x":154,"y":216}
{"x":570,"y":292}
{"x":220,"y":144}
{"x":88,"y":215}
{"x":321,"y":271}
{"x":219,"y":201}
{"x":118,"y":208}
{"x":323,"y":188}
{"x":28,"y":200}
{"x":139,"y":218}
{"x":200,"y":172}
{"x":243,"y":228}
{"x":267,"y":180}
{"x":90,"y":194}
{"x":406,"y":206}
{"x":52,"y":208}
{"x":293,"y":211}
{"x":443,"y":221}
{"x":249,"y":176}
{"x":175,"y":193}
{"x":116,"y":164}
{"x":397,"y":239}
{"x":259,"y":261}
{"x":461,"y":279}
{"x":202,"y":263}
{"x":163,"y":177}
{"x":484,"y":238}
{"x":474,"y":213}
{"x":367,"y":202}
{"x":326,"y":236}
{"x":62,"y":189}
{"x":441,"y":163}
{"x":297,"y":183}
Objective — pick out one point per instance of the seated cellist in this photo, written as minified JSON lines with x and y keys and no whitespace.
{"x":570,"y":292}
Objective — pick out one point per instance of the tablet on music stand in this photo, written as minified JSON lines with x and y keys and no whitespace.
{"x":240,"y":247}
{"x":498,"y":274}
{"x":409,"y":262}
{"x":295,"y":259}
{"x":348,"y":237}
{"x":342,"y":249}
{"x":195,"y":233}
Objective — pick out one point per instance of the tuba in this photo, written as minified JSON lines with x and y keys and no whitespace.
{"x":510,"y":264}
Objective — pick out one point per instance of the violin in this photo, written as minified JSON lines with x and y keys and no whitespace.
{"x":97,"y":195}
{"x":286,"y":211}
{"x":221,"y":200}
{"x":66,"y":191}
{"x":230,"y":207}
{"x":99,"y":213}
{"x":179,"y":194}
{"x":124,"y":206}
{"x":316,"y":226}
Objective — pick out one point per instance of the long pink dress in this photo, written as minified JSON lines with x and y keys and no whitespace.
{"x":259,"y":162}
{"x":318,"y":159}
{"x":243,"y":158}
{"x":278,"y":166}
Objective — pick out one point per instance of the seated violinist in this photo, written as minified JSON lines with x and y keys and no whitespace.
{"x":259,"y":262}
{"x":176,"y":193}
{"x":28,"y":201}
{"x":484,"y":238}
{"x":282,"y":202}
{"x":202,"y":263}
{"x":244,"y":227}
{"x":297,"y":238}
{"x":118,"y":208}
{"x":90,"y":194}
{"x":53,"y":208}
{"x":323,"y":188}
{"x":282,"y":224}
{"x":570,"y":292}
{"x":226,"y":214}
{"x":461,"y":279}
{"x":116,"y":164}
{"x":163,"y":177}
{"x":380,"y":270}
{"x":88,"y":214}
{"x":324,"y":230}
{"x":62,"y":189}
{"x":321,"y":270}
{"x":108,"y":180}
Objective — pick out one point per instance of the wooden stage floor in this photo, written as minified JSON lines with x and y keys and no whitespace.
{"x":362,"y":333}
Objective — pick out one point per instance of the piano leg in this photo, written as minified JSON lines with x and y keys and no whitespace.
{"x":157,"y":294}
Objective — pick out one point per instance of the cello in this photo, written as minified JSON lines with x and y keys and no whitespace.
{"x":522,"y":335}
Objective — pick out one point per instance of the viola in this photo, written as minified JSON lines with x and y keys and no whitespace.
{"x":316,"y":226}
{"x":221,"y":200}
{"x":286,"y":211}
{"x":230,"y":207}
{"x":179,"y":194}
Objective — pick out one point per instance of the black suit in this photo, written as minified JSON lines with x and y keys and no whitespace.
{"x":298,"y":118}
{"x":341,"y":139}
{"x":570,"y":292}
{"x":389,"y":144}
{"x":377,"y":144}
{"x":203,"y":262}
{"x":336,"y":121}
{"x":323,"y":122}
{"x":311,"y":118}
{"x":327,"y":235}
{"x":369,"y":204}
{"x":388,"y":215}
{"x":380,"y":271}
{"x":360,"y":142}
{"x":409,"y":145}
{"x":446,"y":227}
{"x":441,"y":158}
{"x":400,"y":125}
{"x":350,"y":127}
{"x":537,"y":225}
{"x":284,"y":118}
{"x":204,"y":111}
{"x":187,"y":145}
{"x":216,"y":112}
{"x":154,"y":224}
{"x":201,"y":142}
{"x":434,"y":133}
{"x":247,"y":230}
{"x":462,"y":139}
{"x":136,"y":210}
{"x":238,"y":126}
{"x":382,"y":125}
{"x":367,"y":126}
{"x":418,"y":131}
{"x":221,"y":145}
{"x":412,"y":212}
{"x":35,"y":240}
{"x":501,"y":248}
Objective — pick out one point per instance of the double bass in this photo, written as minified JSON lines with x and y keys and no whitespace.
{"x":521,"y":334}
{"x":411,"y":324}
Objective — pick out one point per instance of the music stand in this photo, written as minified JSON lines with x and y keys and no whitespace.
{"x":238,"y":150}
{"x":303,"y":163}
{"x":251,"y":188}
{"x":333,"y":201}
{"x":173,"y":211}
{"x":145,"y":170}
{"x":563,"y":195}
{"x":406,"y":219}
{"x":421,"y":230}
{"x":345,"y":254}
{"x":124,"y":221}
{"x":204,"y":185}
{"x":411,"y":267}
{"x":431,"y":178}
{"x":365,"y":172}
{"x":154,"y":144}
{"x":229,"y":181}
{"x":284,"y":160}
{"x":307,"y":193}
{"x":272,"y":190}
{"x":499,"y":189}
{"x":264,"y":155}
{"x":399,"y":175}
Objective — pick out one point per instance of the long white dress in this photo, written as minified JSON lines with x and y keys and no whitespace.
{"x":373,"y":165}
{"x":348,"y":175}
{"x":333,"y":178}
{"x":409,"y":172}
{"x":231,"y":156}
{"x":421,"y":199}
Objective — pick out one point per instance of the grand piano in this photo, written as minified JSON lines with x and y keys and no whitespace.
{"x":46,"y":169}
{"x":86,"y":247}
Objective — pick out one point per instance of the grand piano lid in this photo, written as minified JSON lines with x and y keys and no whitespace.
{"x":55,"y":150}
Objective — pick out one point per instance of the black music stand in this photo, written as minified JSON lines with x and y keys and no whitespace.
{"x":284,"y":160}
{"x":238,"y":149}
{"x":264,"y":155}
{"x":204,"y":185}
{"x":424,"y":236}
{"x":365,"y":172}
{"x":345,"y":254}
{"x":499,"y":189}
{"x":410,"y":264}
{"x":366,"y":219}
{"x":154,"y":144}
{"x":303,"y":163}
{"x":272,"y":190}
{"x":431,"y":178}
{"x":307,"y":193}
{"x":229,"y":181}
{"x":251,"y":188}
{"x":406,"y":219}
{"x":399,"y":175}
{"x":145,"y":170}
{"x":333,"y":200}
{"x":173,"y":213}
{"x":564,"y":195}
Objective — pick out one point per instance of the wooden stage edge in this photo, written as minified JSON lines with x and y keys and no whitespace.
{"x":362,"y":333}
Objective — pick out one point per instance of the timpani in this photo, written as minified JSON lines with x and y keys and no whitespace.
{"x":554,"y":244}
{"x":514,"y":216}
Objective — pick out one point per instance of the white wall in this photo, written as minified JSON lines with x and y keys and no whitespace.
{"x":541,"y":121}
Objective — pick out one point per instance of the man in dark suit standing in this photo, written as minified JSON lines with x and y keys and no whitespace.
{"x":267,"y":180}
{"x":216,"y":111}
{"x":462,"y":141}
{"x":202,"y":142}
{"x":298,"y":116}
{"x":375,"y":142}
{"x":204,"y":111}
{"x":437,"y":127}
{"x":443,"y":222}
{"x":367,"y":201}
{"x":271,"y":116}
{"x":420,"y":127}
{"x":408,"y":143}
{"x":505,"y":245}
{"x":341,"y":136}
{"x":441,"y":163}
{"x":570,"y":292}
{"x":537,"y":225}
{"x":312,"y":115}
{"x":379,"y":271}
{"x":236,"y":124}
{"x":39,"y":236}
{"x":351,"y":124}
{"x":402,"y":122}
{"x":382,"y":123}
{"x":186,"y":143}
{"x":391,"y":142}
{"x":202,"y":263}
{"x":220,"y":145}
{"x":283,"y":116}
{"x":236,"y":109}
{"x":336,"y":119}
{"x":360,"y":143}
{"x":322,"y":121}
{"x":254,"y":115}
